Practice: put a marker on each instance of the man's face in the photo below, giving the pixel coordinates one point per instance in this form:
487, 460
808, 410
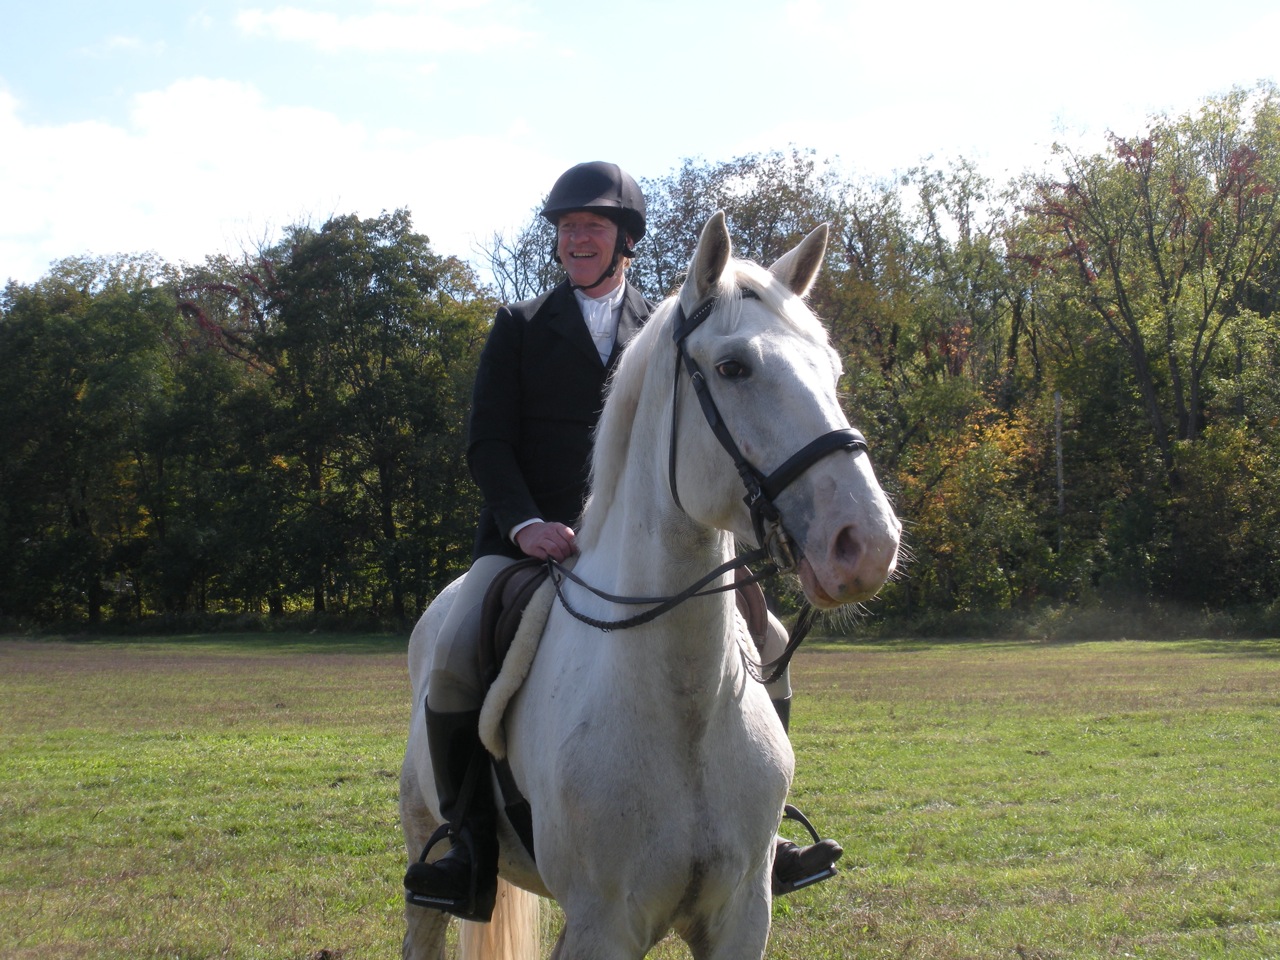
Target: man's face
585, 242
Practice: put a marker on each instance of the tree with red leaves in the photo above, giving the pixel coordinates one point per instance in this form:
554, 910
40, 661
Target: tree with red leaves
1164, 238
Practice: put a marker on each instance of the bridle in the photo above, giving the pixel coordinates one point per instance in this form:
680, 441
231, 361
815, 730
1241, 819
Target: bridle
776, 548
766, 519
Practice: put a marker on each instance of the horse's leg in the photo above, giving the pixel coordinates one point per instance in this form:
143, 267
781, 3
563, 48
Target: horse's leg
602, 932
593, 945
740, 931
424, 935
425, 930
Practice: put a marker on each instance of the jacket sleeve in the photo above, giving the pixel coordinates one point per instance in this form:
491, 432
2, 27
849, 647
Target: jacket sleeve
494, 430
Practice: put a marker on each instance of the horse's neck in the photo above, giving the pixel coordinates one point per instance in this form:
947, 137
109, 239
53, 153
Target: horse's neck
638, 543
649, 550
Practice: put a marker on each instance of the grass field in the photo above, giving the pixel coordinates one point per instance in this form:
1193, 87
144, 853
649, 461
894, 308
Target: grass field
235, 797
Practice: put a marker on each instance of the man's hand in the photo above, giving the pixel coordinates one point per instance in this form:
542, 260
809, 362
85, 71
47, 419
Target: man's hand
543, 540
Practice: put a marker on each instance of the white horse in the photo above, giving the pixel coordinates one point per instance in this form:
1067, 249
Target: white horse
656, 768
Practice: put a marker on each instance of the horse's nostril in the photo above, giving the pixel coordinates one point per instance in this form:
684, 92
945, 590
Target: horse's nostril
848, 548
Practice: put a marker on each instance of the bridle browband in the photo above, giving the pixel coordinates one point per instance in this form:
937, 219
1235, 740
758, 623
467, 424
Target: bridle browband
762, 490
776, 546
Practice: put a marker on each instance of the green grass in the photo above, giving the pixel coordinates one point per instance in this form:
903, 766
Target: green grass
235, 796
1086, 800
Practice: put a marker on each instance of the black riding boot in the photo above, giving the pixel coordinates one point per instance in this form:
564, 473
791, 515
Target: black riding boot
464, 881
794, 866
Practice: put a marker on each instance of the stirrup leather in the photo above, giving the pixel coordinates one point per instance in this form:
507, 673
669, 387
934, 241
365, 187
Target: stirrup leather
826, 872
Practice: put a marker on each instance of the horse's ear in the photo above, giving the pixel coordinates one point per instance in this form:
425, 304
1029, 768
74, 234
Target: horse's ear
798, 268
711, 257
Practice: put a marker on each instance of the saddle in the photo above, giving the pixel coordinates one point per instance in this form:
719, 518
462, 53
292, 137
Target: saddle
501, 613
501, 610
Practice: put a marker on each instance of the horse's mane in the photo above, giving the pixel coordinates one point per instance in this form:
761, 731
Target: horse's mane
622, 402
615, 430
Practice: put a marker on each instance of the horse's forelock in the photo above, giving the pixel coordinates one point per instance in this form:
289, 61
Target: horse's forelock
776, 296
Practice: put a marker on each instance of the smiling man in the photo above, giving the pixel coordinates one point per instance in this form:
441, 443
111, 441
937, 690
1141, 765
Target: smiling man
540, 385
585, 241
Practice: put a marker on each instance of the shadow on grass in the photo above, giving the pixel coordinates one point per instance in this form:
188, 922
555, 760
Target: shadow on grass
316, 642
1268, 648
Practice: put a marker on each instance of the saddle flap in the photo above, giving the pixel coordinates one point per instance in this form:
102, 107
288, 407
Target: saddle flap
500, 613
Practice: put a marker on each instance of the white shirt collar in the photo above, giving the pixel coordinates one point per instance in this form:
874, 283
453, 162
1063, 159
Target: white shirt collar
601, 315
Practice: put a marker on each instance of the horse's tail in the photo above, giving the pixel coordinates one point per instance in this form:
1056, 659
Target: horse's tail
512, 933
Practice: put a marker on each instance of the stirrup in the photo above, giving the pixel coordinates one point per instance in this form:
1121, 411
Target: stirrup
782, 887
477, 905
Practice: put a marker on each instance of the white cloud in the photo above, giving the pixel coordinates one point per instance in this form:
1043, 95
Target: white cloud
419, 31
200, 166
126, 45
119, 42
997, 81
209, 166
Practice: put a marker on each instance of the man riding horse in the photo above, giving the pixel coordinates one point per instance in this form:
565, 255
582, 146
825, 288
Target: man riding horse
538, 394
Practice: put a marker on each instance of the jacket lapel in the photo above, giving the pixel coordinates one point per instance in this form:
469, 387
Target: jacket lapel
567, 320
635, 311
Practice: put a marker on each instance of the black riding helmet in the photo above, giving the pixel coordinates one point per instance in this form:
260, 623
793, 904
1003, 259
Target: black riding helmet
605, 189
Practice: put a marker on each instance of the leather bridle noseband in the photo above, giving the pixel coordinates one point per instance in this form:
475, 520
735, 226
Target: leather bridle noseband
762, 490
776, 546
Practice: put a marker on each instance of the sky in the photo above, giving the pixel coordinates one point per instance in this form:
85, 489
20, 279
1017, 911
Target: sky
201, 128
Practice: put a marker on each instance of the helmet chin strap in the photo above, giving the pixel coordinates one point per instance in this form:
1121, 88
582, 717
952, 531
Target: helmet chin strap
612, 269
619, 249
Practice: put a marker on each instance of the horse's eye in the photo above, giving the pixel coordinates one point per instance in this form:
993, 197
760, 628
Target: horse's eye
732, 369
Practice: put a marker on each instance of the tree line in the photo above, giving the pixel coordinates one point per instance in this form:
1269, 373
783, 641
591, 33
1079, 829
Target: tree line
1070, 382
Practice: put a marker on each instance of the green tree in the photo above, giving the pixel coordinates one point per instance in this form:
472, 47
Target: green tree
771, 200
1162, 248
82, 367
368, 341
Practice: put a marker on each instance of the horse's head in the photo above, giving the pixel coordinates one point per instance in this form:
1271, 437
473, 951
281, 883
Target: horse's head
767, 417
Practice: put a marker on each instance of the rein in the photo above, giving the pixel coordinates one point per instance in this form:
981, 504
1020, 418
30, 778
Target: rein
763, 673
560, 573
776, 546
